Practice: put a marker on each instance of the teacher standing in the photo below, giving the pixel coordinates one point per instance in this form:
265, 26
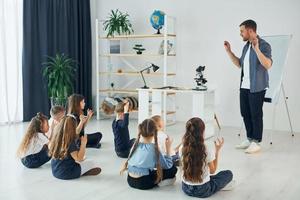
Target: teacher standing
254, 62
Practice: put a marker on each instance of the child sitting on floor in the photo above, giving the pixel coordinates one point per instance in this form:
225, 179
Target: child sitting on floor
67, 158
200, 162
122, 140
33, 149
76, 105
161, 139
146, 166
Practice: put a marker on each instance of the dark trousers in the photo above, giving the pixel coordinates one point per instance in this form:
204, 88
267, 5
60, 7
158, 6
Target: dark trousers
125, 153
216, 183
93, 139
148, 181
36, 160
251, 105
65, 171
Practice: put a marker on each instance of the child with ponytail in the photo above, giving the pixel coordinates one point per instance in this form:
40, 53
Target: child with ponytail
199, 162
146, 166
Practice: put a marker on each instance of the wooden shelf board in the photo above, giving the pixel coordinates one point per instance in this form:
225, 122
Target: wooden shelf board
135, 36
135, 74
171, 112
168, 112
171, 93
123, 91
127, 91
133, 55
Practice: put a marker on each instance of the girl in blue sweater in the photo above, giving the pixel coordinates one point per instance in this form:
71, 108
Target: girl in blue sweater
146, 166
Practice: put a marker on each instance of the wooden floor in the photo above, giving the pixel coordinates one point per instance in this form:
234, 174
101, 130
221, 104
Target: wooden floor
272, 174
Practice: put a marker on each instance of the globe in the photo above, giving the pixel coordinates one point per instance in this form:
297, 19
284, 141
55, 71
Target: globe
157, 20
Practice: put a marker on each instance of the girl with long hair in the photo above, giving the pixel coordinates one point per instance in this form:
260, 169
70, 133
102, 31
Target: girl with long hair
146, 166
76, 105
33, 149
67, 158
199, 162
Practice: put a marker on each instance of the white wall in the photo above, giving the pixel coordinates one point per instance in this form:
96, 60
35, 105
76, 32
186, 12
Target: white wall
202, 26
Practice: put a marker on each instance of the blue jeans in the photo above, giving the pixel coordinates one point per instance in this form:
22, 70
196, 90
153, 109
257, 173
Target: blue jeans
216, 183
36, 160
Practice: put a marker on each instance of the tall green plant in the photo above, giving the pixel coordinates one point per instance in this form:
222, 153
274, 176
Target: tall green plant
119, 23
59, 72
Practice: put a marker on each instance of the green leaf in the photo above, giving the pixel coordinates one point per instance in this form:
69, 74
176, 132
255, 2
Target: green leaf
117, 23
58, 72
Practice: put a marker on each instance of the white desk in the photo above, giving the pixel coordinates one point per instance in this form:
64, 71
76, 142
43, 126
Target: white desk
203, 105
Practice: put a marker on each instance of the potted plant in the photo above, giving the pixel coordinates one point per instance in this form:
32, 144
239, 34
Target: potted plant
139, 48
117, 23
59, 73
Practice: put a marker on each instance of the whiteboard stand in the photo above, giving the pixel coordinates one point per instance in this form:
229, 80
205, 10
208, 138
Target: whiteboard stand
287, 111
273, 123
242, 125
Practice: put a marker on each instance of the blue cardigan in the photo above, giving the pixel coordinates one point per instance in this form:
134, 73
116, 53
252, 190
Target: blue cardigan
143, 160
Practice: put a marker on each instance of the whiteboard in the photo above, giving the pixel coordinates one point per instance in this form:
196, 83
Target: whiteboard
280, 46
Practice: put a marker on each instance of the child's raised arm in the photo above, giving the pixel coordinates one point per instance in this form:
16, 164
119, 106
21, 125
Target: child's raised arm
168, 144
214, 164
125, 121
126, 107
90, 113
177, 147
81, 124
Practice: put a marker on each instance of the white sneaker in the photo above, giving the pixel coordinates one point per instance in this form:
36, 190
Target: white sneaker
229, 186
244, 145
253, 148
167, 182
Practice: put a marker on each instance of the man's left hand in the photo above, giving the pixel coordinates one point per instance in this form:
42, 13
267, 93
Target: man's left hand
255, 44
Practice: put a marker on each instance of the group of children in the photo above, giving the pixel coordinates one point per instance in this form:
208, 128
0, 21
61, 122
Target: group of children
151, 161
63, 142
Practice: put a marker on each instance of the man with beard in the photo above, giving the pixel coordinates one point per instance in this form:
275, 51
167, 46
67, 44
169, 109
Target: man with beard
255, 61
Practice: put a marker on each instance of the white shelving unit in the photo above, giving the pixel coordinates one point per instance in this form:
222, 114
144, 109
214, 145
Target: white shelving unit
105, 62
